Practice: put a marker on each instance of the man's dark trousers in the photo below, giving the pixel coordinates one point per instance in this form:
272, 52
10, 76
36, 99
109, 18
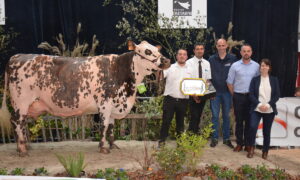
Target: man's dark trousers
170, 106
196, 110
241, 104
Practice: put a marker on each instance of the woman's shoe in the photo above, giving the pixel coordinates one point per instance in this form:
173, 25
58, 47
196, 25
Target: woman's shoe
250, 152
264, 155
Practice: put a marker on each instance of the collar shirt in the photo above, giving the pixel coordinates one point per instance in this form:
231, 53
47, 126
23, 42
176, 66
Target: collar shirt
174, 75
219, 71
193, 63
241, 74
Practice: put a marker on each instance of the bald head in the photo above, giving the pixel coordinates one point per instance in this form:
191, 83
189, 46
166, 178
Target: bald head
221, 46
221, 40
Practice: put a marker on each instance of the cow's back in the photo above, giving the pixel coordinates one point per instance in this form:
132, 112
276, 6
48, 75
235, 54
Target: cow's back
59, 84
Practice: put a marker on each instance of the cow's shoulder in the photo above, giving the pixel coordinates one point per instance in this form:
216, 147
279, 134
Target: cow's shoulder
124, 61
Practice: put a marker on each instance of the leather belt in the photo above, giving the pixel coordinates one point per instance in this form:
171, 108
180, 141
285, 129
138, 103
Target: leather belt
177, 99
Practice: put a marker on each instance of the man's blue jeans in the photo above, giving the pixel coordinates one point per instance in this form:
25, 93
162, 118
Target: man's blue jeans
223, 100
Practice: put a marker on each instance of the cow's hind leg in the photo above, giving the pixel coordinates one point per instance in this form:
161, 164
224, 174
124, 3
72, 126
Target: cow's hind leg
111, 138
18, 120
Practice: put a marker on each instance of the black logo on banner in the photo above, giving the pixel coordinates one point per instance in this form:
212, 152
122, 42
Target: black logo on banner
182, 7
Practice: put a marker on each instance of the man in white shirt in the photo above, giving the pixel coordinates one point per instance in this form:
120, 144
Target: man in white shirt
200, 68
174, 100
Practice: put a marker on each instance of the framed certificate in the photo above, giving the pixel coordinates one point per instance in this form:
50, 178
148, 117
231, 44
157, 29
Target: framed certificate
198, 87
193, 86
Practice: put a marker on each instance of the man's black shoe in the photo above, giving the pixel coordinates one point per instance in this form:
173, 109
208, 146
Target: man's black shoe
213, 143
228, 143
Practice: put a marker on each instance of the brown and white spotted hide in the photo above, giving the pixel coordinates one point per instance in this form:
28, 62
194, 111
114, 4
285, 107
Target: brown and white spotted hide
65, 86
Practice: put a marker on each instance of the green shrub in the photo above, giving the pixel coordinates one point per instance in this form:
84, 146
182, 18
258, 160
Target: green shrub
112, 174
226, 174
279, 174
192, 145
262, 172
170, 160
74, 165
40, 172
3, 171
18, 171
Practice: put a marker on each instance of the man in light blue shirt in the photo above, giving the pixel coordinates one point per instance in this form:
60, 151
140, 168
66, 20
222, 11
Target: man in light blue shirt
238, 82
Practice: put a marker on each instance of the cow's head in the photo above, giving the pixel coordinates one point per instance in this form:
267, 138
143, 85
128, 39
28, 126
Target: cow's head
152, 54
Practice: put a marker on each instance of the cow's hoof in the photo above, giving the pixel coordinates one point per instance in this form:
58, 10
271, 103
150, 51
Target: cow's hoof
114, 146
104, 150
23, 154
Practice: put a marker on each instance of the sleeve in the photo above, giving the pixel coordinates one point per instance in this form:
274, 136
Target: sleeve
276, 95
210, 59
234, 58
209, 70
253, 98
231, 75
257, 71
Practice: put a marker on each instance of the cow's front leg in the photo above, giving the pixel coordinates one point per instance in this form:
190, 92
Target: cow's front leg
20, 129
110, 134
105, 118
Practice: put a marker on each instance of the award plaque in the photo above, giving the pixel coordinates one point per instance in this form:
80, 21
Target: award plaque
197, 87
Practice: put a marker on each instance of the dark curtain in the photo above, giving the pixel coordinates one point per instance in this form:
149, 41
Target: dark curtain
37, 21
219, 14
271, 27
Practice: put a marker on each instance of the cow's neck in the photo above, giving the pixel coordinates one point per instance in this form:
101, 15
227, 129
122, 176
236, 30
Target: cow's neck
141, 68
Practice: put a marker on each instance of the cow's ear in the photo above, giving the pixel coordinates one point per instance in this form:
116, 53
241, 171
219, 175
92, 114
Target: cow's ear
131, 45
158, 47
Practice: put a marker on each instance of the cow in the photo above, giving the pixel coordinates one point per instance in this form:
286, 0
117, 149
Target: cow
68, 86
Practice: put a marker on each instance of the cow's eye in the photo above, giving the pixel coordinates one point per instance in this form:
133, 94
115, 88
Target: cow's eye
148, 52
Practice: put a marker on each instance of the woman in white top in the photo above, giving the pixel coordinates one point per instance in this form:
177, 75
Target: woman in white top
263, 93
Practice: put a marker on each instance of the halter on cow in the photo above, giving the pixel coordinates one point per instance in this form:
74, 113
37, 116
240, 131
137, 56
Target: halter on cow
64, 86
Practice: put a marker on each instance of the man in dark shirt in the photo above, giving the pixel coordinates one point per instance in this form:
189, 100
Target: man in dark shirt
220, 64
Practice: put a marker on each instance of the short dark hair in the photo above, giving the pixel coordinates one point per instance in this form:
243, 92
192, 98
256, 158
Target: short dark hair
267, 62
297, 89
181, 49
246, 44
199, 44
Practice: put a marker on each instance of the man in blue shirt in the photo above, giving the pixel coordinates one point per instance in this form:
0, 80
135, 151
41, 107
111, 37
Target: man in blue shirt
238, 82
220, 64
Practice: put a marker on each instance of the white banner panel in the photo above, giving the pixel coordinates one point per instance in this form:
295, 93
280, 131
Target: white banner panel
286, 126
184, 13
2, 12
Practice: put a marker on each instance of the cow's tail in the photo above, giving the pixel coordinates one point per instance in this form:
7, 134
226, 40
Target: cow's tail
5, 115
